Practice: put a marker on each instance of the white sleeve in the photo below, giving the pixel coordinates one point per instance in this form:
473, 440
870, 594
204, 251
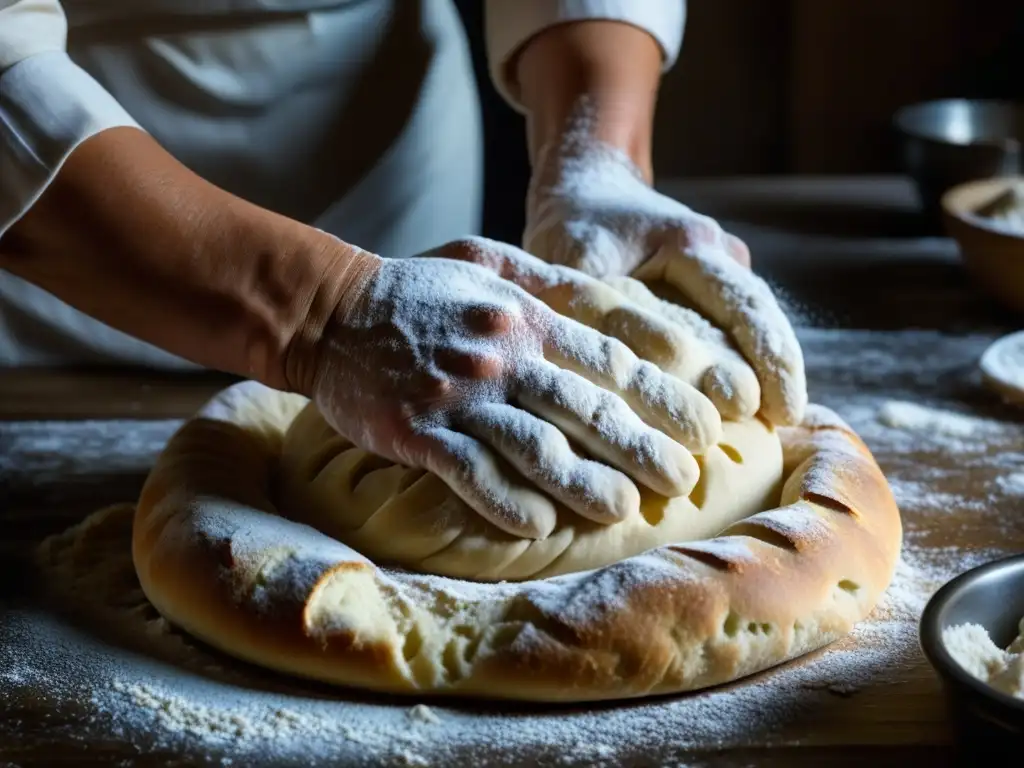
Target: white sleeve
511, 23
48, 104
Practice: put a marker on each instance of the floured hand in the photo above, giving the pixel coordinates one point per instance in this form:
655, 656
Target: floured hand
444, 365
677, 340
590, 209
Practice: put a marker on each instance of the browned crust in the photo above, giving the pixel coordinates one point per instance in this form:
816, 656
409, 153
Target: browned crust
213, 556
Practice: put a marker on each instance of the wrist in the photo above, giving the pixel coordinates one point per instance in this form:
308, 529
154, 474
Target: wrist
128, 235
607, 121
337, 276
592, 80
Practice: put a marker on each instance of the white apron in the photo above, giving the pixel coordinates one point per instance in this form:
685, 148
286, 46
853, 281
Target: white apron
358, 117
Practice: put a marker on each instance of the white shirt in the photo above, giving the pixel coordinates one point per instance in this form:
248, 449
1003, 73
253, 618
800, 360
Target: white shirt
49, 105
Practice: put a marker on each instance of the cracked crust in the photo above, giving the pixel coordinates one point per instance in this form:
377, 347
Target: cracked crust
215, 557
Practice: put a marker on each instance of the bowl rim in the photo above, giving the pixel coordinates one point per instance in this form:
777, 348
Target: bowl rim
970, 218
1007, 143
930, 633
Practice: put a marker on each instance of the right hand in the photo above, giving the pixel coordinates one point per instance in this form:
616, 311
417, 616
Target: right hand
442, 364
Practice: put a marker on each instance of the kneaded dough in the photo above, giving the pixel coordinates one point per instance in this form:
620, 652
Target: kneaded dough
214, 555
972, 648
409, 517
1002, 367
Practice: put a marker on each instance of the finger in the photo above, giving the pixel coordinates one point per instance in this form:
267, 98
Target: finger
742, 305
477, 476
664, 401
732, 386
489, 320
705, 356
507, 261
605, 427
738, 250
541, 453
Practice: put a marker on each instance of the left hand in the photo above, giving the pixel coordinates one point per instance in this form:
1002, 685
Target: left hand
590, 208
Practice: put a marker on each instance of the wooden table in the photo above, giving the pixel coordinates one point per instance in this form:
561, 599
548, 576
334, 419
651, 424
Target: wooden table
849, 253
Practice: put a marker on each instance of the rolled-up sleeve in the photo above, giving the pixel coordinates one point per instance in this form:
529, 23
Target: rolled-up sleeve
511, 23
48, 104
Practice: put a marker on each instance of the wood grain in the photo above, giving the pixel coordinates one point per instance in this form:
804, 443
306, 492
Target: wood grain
104, 393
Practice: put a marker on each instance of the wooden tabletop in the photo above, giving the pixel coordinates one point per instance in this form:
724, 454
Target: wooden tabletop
867, 283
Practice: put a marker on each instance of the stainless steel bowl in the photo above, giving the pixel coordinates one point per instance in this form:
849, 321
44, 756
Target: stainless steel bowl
945, 143
991, 595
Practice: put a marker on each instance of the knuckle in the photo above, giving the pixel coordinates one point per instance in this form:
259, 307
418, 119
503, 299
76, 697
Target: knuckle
490, 319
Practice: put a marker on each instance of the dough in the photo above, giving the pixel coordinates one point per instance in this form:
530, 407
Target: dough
407, 517
1002, 367
217, 558
972, 647
394, 514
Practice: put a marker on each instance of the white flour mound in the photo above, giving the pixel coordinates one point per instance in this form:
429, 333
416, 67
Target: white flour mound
973, 649
1007, 211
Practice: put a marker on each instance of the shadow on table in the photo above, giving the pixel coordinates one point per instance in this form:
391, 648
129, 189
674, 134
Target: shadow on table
832, 218
895, 294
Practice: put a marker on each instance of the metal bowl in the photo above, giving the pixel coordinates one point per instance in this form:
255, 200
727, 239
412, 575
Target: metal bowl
945, 143
991, 595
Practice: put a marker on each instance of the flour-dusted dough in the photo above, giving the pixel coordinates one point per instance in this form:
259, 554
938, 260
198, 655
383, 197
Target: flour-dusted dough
1002, 367
408, 517
972, 648
216, 558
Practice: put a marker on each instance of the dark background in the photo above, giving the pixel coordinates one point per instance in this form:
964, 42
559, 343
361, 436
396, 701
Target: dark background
786, 87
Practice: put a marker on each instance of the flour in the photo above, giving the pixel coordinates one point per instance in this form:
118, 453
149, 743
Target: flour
36, 455
943, 423
421, 713
90, 683
1007, 211
955, 463
160, 700
972, 647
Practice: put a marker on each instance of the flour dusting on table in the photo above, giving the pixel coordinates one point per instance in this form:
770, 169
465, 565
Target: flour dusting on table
174, 695
170, 692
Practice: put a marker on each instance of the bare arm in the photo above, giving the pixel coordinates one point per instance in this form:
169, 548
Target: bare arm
128, 235
609, 69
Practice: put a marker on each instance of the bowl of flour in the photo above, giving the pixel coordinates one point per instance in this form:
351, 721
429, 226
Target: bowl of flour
972, 633
986, 218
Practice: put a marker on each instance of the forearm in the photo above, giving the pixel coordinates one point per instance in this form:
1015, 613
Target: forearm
598, 76
128, 235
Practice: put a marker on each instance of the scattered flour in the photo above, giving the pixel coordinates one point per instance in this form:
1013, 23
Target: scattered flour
1011, 484
173, 697
920, 418
169, 692
421, 713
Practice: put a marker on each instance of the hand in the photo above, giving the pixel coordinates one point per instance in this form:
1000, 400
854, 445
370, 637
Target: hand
589, 208
677, 340
442, 364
